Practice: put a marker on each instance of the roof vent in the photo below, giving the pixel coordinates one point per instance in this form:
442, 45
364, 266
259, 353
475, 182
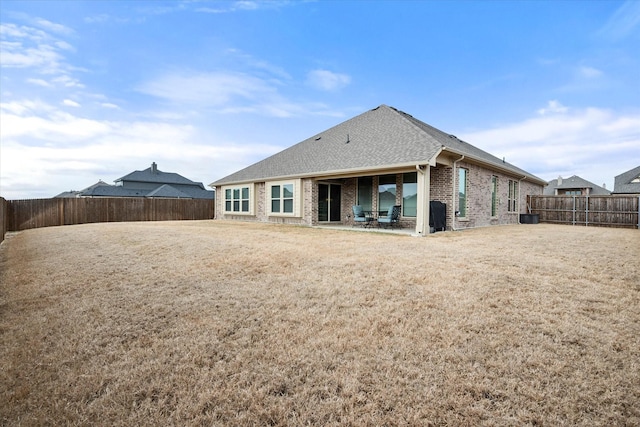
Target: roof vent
348, 140
318, 138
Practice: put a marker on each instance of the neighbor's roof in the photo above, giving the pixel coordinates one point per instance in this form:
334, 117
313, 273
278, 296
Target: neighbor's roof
158, 177
162, 191
623, 182
380, 138
574, 182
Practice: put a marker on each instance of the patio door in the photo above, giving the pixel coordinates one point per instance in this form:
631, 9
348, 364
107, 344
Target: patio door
329, 196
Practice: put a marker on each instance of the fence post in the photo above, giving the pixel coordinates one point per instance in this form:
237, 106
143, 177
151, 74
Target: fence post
574, 211
638, 212
586, 210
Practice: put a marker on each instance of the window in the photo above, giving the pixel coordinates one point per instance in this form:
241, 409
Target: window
513, 196
410, 194
365, 191
236, 199
462, 192
282, 198
494, 195
386, 192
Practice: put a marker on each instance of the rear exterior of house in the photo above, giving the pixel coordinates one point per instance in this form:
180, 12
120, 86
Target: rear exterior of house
381, 158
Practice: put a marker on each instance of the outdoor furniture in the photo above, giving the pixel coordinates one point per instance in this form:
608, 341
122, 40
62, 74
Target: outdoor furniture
360, 217
391, 219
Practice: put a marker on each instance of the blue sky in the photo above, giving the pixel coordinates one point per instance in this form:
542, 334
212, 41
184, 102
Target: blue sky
97, 89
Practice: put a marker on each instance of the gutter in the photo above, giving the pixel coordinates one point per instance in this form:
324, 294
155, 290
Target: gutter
497, 166
453, 194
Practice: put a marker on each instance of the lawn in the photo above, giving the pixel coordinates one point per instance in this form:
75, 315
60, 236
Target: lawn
224, 323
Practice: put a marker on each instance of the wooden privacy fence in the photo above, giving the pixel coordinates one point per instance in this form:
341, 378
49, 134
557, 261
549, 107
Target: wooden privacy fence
606, 211
3, 218
25, 214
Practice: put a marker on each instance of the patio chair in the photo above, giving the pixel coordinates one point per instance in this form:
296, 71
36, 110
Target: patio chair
391, 219
359, 217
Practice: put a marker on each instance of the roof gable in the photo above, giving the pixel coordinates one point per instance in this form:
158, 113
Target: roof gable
380, 138
166, 190
628, 182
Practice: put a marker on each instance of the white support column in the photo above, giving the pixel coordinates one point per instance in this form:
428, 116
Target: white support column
424, 186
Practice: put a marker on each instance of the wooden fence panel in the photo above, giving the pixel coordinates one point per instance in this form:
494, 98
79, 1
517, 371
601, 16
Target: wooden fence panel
4, 218
25, 214
604, 211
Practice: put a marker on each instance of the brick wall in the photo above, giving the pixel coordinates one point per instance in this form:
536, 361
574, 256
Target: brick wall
479, 198
442, 179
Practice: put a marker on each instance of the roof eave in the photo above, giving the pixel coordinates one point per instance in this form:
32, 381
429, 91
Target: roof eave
491, 165
338, 173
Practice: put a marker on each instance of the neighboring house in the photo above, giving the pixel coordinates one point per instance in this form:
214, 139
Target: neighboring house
628, 182
150, 182
574, 186
379, 158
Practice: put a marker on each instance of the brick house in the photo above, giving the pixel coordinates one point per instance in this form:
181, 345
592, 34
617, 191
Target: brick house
149, 183
377, 159
574, 186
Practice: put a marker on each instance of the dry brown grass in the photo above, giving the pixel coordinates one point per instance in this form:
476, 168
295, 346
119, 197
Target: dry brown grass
220, 323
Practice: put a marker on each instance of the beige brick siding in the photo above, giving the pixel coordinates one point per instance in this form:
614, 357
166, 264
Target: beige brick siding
442, 186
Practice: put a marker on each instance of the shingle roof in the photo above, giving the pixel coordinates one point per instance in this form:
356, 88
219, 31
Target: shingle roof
114, 191
574, 182
153, 174
380, 138
623, 182
168, 191
74, 193
164, 190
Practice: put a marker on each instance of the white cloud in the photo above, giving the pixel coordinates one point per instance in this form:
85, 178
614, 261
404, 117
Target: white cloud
52, 26
553, 107
46, 151
39, 82
589, 72
37, 121
245, 5
327, 80
24, 47
70, 103
67, 81
228, 92
207, 89
596, 144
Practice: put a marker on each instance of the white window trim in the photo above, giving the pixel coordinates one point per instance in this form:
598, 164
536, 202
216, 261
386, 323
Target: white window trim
297, 198
239, 187
513, 207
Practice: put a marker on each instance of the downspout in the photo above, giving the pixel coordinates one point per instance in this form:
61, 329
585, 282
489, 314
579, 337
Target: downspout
453, 194
519, 192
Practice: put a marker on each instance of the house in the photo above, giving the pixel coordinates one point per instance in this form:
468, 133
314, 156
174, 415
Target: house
574, 186
150, 182
628, 182
377, 159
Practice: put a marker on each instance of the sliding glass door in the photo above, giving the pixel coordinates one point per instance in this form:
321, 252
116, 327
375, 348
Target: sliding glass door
329, 208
